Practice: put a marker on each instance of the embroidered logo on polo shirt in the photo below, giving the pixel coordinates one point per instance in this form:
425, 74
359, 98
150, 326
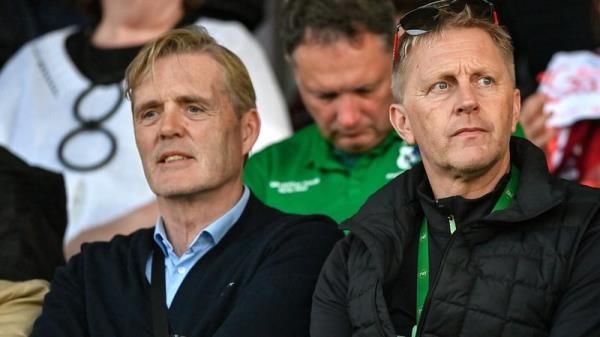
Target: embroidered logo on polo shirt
285, 187
408, 156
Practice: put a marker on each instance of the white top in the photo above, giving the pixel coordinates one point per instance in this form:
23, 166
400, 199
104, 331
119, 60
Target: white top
572, 84
38, 88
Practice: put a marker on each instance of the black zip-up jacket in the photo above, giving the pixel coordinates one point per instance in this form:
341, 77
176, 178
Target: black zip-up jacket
532, 269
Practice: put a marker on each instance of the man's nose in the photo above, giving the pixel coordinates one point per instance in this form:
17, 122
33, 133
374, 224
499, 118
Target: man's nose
467, 99
171, 123
347, 111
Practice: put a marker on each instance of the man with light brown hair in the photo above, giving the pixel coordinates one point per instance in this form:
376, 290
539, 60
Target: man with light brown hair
479, 239
79, 122
218, 262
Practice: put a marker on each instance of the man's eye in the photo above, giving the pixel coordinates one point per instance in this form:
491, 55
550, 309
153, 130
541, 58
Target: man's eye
194, 109
328, 96
363, 91
485, 81
148, 114
441, 86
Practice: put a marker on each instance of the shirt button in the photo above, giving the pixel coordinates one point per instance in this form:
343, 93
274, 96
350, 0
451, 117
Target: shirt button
181, 270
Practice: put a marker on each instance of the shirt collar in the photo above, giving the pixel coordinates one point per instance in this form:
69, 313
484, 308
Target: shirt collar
213, 232
325, 157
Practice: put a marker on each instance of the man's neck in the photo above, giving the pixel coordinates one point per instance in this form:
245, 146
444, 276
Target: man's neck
135, 22
185, 217
471, 185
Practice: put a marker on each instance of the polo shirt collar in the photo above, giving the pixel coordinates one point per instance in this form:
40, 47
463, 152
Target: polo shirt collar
325, 158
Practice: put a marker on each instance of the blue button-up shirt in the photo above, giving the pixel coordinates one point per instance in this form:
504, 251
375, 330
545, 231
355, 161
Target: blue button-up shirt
177, 267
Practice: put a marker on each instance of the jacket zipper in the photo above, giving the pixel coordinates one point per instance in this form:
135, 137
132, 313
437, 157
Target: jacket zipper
451, 224
435, 282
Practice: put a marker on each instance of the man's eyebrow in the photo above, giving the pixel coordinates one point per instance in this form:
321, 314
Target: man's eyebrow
191, 99
370, 84
145, 106
180, 99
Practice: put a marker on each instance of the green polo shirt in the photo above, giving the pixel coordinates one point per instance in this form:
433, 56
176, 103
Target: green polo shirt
302, 174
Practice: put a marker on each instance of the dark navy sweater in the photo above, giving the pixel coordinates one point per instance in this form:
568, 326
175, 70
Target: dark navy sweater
257, 281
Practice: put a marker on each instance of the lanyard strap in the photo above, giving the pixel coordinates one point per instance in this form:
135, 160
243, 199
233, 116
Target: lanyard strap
423, 253
160, 320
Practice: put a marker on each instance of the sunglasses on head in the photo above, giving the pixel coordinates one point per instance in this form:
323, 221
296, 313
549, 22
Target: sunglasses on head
423, 19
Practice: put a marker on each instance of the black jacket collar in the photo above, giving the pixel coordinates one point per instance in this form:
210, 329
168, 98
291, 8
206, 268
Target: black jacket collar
390, 216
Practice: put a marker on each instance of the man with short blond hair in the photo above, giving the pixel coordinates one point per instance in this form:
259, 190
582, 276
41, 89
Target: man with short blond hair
218, 262
478, 240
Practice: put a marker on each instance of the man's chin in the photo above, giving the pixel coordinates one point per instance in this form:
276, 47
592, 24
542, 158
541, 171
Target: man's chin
173, 192
475, 167
353, 148
355, 145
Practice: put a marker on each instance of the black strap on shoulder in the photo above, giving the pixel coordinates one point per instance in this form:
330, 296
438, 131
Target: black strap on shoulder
160, 320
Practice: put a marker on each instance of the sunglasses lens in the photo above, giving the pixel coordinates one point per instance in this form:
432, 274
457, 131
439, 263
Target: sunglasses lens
419, 21
481, 9
423, 19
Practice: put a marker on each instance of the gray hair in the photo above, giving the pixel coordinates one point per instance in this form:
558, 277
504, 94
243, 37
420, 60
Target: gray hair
444, 22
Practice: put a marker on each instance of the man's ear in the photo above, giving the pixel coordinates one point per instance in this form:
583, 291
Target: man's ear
401, 122
250, 127
516, 112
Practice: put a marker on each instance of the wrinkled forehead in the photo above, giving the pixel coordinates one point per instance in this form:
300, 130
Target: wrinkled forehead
189, 67
440, 42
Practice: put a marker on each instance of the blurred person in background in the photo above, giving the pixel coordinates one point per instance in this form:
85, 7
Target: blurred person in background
563, 116
340, 53
24, 20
